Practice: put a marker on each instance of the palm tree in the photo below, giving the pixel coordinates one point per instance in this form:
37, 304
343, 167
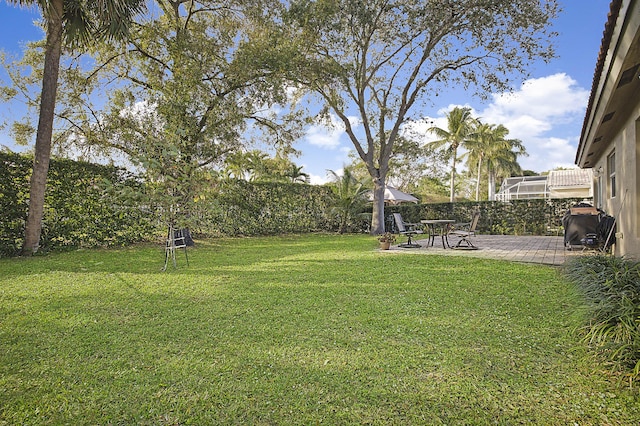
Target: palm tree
257, 167
236, 166
504, 163
479, 143
295, 174
459, 126
69, 23
488, 148
349, 197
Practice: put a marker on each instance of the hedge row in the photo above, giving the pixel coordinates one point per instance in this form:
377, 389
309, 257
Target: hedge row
241, 208
89, 205
86, 205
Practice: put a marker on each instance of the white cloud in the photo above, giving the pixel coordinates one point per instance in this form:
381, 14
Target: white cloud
328, 135
323, 137
317, 180
546, 115
549, 153
554, 98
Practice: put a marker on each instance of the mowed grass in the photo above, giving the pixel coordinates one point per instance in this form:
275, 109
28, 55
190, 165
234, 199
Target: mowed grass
295, 330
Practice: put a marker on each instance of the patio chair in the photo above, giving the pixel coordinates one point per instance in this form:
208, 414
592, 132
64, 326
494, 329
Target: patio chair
464, 231
408, 229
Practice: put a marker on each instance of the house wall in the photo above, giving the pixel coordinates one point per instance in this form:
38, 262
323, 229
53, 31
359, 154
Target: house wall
625, 205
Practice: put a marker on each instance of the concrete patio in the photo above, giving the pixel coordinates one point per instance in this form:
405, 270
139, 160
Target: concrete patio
549, 250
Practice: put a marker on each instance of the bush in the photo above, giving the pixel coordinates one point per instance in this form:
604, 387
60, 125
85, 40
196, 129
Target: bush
611, 287
90, 205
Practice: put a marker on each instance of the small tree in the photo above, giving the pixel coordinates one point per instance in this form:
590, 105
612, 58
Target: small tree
349, 197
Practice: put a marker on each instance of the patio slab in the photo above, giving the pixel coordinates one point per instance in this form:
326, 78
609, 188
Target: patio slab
548, 250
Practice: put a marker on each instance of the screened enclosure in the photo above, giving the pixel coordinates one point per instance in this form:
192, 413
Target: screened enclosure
575, 183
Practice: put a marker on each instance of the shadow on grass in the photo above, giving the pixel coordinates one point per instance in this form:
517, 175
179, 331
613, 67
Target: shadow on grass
149, 258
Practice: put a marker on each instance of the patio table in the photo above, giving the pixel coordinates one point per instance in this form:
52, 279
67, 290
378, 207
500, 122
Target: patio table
438, 227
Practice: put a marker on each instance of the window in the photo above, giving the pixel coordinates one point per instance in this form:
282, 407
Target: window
611, 170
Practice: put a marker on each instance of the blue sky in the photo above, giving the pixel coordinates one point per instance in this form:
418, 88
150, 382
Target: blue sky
545, 112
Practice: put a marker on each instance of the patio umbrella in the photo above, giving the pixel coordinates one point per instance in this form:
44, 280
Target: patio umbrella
394, 196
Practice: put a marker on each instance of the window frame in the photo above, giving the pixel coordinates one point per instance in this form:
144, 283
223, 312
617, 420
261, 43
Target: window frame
611, 174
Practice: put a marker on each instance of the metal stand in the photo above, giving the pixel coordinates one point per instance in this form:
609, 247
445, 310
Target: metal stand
175, 240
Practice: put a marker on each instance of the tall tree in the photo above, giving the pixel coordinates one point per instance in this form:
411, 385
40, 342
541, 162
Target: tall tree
477, 147
459, 127
380, 59
74, 24
190, 88
488, 149
201, 64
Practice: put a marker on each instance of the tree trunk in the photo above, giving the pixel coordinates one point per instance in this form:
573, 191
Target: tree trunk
42, 155
492, 186
478, 179
452, 196
377, 218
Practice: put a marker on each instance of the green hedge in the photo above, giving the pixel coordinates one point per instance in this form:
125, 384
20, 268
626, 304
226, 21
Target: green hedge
86, 205
89, 205
237, 207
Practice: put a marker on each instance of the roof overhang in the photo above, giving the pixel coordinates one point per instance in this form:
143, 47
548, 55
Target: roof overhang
616, 82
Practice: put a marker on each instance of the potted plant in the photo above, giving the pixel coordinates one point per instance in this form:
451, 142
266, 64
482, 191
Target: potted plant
386, 240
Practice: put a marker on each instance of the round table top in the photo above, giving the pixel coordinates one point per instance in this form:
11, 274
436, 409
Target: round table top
436, 221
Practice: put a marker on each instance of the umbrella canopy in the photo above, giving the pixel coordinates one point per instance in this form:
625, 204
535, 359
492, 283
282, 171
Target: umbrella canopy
395, 196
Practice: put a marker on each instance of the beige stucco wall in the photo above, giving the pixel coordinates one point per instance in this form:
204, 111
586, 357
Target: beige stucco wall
625, 205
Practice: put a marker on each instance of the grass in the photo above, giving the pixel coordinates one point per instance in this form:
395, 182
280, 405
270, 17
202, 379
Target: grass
295, 330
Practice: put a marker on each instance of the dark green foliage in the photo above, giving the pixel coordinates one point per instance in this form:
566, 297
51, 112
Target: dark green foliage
237, 207
611, 287
86, 205
14, 193
90, 205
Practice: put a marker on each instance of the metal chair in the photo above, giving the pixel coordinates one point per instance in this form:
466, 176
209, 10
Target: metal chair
464, 231
408, 229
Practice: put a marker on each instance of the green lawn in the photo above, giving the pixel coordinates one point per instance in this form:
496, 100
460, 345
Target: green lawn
295, 330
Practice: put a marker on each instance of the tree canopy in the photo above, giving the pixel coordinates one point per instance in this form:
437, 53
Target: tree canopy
379, 60
195, 77
190, 87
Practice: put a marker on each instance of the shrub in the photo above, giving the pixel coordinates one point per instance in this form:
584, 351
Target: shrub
611, 287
